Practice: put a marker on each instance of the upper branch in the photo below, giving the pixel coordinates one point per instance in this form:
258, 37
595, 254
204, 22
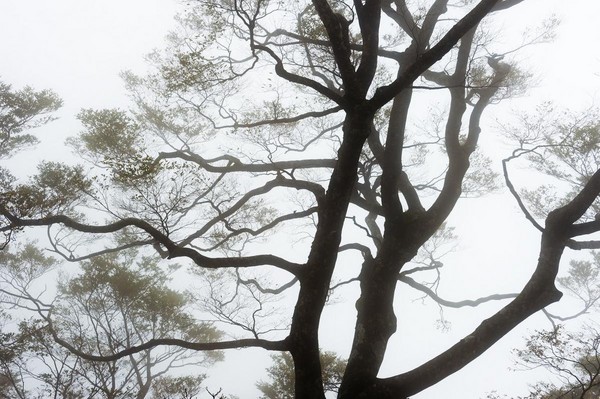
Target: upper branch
574, 210
402, 16
386, 93
301, 80
337, 28
435, 11
369, 17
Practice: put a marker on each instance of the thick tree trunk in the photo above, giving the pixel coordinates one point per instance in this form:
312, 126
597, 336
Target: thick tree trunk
376, 320
316, 278
375, 324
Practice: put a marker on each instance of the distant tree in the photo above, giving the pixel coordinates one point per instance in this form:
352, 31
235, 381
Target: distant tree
574, 358
118, 302
21, 110
303, 119
281, 373
32, 365
168, 387
105, 308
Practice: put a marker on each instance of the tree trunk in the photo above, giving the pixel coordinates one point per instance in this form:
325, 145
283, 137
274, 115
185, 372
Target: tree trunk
315, 281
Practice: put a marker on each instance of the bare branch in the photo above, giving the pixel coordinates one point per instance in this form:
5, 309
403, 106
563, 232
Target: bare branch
453, 304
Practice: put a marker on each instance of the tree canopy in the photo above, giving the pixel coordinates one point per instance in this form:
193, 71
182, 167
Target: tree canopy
276, 144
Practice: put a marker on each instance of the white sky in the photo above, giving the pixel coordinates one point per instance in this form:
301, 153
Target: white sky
78, 48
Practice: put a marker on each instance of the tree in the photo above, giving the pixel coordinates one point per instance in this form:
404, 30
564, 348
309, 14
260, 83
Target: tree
203, 168
107, 307
572, 357
281, 373
20, 111
187, 387
118, 302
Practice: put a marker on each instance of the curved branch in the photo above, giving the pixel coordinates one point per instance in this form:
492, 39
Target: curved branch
196, 346
292, 119
386, 93
365, 251
279, 181
264, 290
235, 165
301, 80
174, 250
262, 229
453, 304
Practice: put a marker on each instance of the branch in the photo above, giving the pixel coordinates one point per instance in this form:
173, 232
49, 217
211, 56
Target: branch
453, 304
262, 229
337, 31
235, 165
579, 245
196, 346
369, 17
279, 181
291, 119
394, 55
174, 250
273, 291
538, 293
301, 80
386, 93
567, 215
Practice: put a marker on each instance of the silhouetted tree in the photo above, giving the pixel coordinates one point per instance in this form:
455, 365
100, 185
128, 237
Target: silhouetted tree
264, 117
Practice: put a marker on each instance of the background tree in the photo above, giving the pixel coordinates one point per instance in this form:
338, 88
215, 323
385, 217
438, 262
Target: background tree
203, 168
21, 110
572, 357
281, 374
105, 308
168, 387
